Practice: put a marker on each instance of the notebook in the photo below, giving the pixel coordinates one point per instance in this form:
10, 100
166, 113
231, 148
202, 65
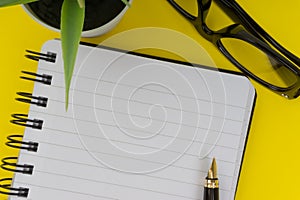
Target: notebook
137, 127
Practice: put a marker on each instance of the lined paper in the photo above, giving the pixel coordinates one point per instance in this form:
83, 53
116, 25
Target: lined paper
136, 128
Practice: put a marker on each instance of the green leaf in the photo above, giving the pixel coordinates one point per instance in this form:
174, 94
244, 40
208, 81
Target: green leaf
72, 18
81, 3
4, 3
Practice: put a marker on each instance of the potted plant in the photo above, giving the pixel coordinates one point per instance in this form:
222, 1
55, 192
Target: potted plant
72, 26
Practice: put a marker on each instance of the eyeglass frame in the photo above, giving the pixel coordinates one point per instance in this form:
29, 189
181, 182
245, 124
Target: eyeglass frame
245, 29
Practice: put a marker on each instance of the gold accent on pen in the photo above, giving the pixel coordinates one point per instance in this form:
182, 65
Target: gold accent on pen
211, 180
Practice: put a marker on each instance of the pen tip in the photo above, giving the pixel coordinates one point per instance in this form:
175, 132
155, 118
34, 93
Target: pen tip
212, 172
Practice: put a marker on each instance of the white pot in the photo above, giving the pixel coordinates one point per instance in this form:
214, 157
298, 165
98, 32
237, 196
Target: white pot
88, 33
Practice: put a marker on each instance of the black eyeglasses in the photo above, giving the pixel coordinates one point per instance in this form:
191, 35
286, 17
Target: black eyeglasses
247, 46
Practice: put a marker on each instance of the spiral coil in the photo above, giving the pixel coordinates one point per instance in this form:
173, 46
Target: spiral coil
11, 191
29, 98
23, 120
10, 164
16, 140
42, 78
36, 56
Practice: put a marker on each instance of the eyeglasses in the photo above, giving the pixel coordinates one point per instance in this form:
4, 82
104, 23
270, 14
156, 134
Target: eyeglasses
247, 46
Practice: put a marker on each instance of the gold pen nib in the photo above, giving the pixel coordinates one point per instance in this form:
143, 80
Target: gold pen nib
212, 172
211, 185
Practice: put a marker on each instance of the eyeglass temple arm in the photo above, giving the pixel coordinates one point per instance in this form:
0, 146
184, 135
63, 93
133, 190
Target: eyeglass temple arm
254, 28
182, 11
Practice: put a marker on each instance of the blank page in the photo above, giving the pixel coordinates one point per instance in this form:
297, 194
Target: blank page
136, 128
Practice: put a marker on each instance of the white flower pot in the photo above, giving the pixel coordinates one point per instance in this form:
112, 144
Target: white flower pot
104, 28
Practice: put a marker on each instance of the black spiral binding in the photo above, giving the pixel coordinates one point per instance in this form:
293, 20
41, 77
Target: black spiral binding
8, 190
10, 164
16, 141
23, 120
42, 78
29, 98
49, 56
36, 56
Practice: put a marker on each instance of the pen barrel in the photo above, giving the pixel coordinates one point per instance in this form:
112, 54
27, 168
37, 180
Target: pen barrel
211, 193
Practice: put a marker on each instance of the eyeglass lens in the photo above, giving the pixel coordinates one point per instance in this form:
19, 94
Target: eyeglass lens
256, 61
259, 63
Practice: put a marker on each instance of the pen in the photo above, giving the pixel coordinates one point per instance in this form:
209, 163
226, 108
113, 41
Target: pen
211, 186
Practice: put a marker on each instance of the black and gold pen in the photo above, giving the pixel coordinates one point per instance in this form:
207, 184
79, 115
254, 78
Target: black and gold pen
211, 186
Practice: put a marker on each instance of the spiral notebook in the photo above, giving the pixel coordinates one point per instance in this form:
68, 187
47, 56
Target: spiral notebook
137, 127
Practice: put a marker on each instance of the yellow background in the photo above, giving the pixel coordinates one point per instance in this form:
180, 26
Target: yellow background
271, 162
